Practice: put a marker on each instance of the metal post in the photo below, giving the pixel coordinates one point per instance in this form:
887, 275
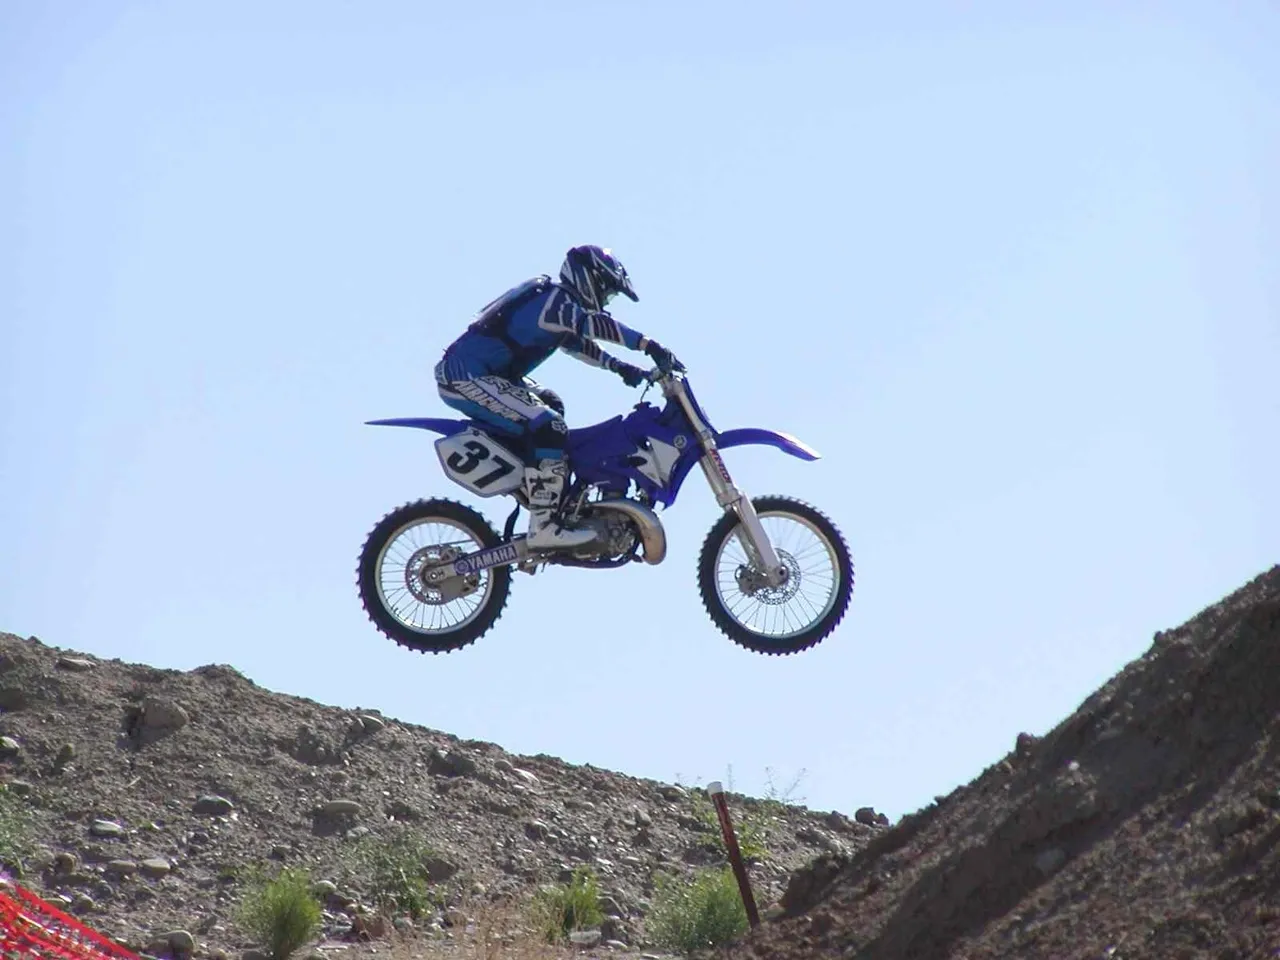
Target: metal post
716, 792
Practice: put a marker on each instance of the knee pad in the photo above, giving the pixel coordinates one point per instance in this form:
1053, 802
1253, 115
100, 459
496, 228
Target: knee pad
548, 431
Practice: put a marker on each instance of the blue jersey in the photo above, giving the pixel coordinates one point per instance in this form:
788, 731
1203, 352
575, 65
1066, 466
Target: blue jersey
522, 328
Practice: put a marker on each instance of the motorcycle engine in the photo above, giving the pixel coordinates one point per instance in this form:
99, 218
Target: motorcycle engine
615, 535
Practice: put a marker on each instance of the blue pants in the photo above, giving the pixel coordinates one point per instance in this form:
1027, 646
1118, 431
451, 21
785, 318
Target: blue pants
511, 408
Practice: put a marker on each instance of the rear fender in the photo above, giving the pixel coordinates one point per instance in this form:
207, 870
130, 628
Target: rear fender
434, 424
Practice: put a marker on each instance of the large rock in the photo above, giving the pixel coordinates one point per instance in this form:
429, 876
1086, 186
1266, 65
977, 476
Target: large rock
163, 714
213, 806
450, 763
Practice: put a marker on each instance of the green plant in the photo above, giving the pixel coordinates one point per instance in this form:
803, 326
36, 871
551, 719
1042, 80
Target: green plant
15, 831
394, 871
561, 909
753, 823
706, 911
281, 912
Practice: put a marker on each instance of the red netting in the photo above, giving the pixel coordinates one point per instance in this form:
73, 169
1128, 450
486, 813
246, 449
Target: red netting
31, 929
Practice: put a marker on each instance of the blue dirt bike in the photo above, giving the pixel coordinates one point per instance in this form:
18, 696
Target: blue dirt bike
774, 573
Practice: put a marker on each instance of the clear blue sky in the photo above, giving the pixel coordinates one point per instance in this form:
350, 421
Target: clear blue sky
1012, 270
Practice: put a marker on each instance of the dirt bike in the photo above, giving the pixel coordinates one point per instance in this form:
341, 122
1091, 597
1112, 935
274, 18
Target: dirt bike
774, 573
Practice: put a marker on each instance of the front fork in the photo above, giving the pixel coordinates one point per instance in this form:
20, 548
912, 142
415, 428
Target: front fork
756, 542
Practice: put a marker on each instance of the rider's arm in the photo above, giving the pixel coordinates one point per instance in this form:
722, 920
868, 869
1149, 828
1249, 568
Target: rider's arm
562, 315
588, 352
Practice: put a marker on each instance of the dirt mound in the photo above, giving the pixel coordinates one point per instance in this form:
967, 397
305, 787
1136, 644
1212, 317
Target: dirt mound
1146, 824
153, 790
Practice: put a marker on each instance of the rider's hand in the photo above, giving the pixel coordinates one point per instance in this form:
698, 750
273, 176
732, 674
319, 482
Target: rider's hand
631, 376
664, 358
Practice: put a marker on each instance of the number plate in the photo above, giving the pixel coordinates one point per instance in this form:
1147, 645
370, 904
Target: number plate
476, 461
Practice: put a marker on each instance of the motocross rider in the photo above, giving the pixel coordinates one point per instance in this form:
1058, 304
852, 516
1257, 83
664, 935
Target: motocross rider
484, 373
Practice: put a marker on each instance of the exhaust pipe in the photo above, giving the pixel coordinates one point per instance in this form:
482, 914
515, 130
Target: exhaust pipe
652, 535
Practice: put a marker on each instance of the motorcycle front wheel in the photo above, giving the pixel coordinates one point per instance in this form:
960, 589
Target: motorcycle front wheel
800, 612
403, 605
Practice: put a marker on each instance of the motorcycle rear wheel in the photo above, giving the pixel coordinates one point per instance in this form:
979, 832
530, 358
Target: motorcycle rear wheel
777, 620
430, 618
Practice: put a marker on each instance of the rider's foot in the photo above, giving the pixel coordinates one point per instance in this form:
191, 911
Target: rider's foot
544, 486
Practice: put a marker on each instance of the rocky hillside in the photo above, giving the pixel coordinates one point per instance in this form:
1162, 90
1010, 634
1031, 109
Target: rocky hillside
152, 791
1145, 825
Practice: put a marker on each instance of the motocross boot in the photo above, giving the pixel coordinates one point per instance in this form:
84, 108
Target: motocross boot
544, 486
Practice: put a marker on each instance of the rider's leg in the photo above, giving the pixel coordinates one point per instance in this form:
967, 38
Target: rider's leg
508, 406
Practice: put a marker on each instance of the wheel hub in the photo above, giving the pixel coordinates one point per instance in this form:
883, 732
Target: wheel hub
753, 583
433, 584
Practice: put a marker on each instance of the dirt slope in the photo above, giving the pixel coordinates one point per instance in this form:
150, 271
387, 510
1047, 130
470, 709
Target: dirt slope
1146, 824
152, 790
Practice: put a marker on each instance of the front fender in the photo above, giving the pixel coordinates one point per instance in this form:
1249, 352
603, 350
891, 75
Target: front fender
783, 441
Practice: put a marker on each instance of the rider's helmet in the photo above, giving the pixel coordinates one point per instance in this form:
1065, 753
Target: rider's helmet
595, 275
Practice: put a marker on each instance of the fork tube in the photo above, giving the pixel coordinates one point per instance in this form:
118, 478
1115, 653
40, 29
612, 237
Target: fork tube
756, 542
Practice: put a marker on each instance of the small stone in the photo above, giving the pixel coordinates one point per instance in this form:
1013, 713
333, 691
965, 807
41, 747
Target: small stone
865, 816
527, 776
399, 810
324, 888
536, 830
439, 869
121, 868
355, 833
75, 664
159, 713
503, 766
341, 808
19, 788
64, 863
9, 747
83, 903
213, 806
640, 818
585, 938
372, 724
106, 828
1050, 860
155, 867
181, 942
672, 793
374, 927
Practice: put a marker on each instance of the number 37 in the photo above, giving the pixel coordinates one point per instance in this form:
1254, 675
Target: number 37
476, 453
